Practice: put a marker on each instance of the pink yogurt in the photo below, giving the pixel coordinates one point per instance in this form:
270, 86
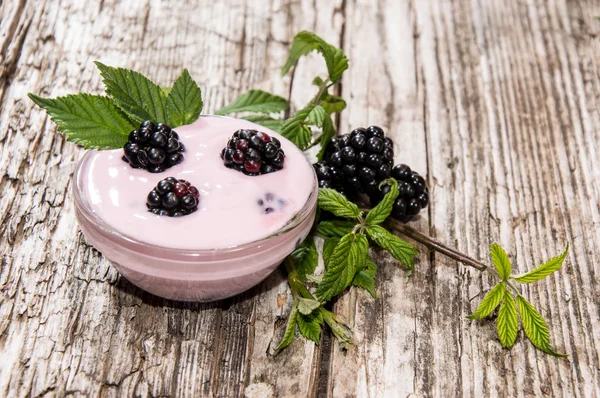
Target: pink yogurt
242, 230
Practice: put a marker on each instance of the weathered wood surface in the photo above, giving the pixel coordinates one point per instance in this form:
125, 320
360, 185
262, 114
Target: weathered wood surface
496, 101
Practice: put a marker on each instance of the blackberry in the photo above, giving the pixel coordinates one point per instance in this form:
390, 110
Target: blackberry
153, 147
253, 153
359, 160
174, 198
413, 195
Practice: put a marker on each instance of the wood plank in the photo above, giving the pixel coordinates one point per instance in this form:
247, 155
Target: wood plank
504, 105
496, 101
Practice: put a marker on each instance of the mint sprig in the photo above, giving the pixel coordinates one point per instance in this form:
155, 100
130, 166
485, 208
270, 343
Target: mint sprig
104, 122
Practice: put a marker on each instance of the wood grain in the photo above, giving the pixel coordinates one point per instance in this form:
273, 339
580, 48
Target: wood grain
496, 102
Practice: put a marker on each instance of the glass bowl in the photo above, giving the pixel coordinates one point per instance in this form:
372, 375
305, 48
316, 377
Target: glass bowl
191, 275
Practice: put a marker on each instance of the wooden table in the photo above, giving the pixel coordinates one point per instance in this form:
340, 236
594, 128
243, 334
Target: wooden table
497, 102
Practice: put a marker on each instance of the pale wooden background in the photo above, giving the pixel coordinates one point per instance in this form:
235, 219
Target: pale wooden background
496, 101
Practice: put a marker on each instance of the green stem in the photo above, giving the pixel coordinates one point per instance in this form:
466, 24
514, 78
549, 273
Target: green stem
296, 285
315, 142
315, 101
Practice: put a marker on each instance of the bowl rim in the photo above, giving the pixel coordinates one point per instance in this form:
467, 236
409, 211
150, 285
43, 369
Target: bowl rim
84, 209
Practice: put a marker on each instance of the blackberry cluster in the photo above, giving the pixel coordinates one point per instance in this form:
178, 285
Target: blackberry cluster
356, 162
413, 194
253, 153
153, 147
174, 198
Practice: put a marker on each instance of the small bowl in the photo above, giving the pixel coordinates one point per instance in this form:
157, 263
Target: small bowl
191, 275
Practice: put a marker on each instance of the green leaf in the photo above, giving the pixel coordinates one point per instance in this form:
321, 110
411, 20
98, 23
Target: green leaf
310, 325
89, 120
306, 306
366, 278
543, 270
306, 42
333, 103
328, 247
166, 90
266, 121
379, 213
184, 101
317, 81
348, 257
336, 203
290, 330
255, 101
489, 302
296, 129
501, 261
535, 327
306, 257
398, 248
322, 119
507, 323
335, 228
340, 330
134, 93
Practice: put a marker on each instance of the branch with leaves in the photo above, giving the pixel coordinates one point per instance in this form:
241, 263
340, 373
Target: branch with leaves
348, 234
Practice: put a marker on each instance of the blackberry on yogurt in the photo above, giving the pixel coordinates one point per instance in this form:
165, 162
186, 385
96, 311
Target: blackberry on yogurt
413, 194
253, 153
357, 162
153, 147
174, 198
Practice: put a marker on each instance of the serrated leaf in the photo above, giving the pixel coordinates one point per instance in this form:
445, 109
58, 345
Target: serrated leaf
332, 201
501, 261
306, 306
380, 213
333, 103
296, 129
306, 42
507, 323
255, 101
328, 247
535, 327
310, 325
184, 101
314, 278
266, 121
306, 257
398, 248
489, 302
335, 228
322, 119
134, 93
366, 278
290, 329
166, 90
348, 257
543, 270
89, 120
